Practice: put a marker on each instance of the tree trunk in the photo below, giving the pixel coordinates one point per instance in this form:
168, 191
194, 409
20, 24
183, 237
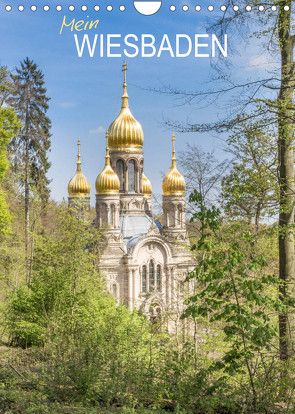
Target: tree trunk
286, 171
257, 218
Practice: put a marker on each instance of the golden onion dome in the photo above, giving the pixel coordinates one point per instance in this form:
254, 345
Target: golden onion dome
107, 181
125, 133
146, 186
79, 185
173, 183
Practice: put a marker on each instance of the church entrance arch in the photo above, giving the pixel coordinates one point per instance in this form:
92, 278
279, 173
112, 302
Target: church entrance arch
155, 313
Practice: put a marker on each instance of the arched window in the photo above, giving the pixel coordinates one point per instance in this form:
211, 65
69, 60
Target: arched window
114, 288
179, 215
104, 213
120, 173
171, 219
131, 176
158, 278
155, 313
112, 214
143, 281
151, 276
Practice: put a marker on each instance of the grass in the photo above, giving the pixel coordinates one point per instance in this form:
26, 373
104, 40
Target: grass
23, 392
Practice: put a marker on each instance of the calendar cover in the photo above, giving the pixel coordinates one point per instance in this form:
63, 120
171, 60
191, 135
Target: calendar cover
147, 206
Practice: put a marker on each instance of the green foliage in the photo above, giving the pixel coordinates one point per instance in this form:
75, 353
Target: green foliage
63, 272
250, 189
6, 86
91, 354
9, 126
235, 292
95, 348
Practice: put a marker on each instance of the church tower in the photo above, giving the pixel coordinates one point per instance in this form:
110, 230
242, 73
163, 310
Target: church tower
79, 187
173, 187
126, 142
144, 262
107, 187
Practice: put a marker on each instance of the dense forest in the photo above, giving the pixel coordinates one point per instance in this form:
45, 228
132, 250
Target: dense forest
66, 344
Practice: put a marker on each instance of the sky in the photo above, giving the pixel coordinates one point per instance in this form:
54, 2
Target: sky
86, 92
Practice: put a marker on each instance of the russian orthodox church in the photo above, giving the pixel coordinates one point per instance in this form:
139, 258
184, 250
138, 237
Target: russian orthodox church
145, 262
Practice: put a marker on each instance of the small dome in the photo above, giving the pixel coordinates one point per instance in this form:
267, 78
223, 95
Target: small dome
79, 185
125, 132
173, 183
146, 185
107, 181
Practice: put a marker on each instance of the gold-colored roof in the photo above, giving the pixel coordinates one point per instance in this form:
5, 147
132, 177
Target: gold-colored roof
79, 185
125, 133
107, 181
173, 183
146, 185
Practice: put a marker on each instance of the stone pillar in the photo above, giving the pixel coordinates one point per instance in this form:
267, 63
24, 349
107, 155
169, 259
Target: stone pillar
133, 289
108, 215
137, 179
140, 179
126, 177
130, 289
176, 224
172, 285
168, 288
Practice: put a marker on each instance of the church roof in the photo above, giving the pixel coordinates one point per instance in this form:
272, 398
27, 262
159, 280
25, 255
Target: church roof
79, 185
125, 132
173, 183
135, 226
133, 241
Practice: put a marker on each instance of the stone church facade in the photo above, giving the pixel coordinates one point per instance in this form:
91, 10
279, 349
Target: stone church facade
145, 262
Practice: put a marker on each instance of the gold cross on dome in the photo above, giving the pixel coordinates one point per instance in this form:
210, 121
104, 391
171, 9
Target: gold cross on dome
173, 148
107, 137
78, 146
124, 69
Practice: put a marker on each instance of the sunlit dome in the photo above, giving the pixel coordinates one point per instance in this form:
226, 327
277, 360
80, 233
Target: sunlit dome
107, 181
79, 185
173, 183
125, 132
146, 185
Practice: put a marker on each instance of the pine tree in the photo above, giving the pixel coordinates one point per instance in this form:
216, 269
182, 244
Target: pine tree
31, 146
8, 128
